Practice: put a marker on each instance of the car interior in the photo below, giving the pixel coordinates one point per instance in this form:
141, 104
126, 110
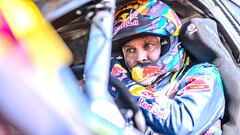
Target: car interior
216, 45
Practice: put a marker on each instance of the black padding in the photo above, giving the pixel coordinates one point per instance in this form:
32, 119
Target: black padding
126, 101
200, 37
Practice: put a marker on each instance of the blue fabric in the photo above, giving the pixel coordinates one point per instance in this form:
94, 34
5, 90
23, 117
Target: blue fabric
190, 104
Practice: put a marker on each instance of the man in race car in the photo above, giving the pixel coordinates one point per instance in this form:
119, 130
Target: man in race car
175, 95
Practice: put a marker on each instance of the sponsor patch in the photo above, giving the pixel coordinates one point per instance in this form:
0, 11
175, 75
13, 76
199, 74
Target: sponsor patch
192, 29
151, 71
117, 70
125, 25
137, 90
154, 108
199, 82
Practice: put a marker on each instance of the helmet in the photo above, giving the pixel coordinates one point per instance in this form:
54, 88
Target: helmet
150, 17
143, 17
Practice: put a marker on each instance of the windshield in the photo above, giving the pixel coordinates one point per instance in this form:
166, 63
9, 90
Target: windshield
233, 7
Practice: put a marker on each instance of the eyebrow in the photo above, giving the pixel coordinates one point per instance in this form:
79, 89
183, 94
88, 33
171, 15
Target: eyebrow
145, 41
148, 41
126, 45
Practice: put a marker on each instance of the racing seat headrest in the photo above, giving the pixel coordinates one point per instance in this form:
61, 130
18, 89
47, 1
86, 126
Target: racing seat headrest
201, 38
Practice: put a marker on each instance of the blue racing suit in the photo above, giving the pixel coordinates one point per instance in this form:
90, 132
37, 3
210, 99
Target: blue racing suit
187, 102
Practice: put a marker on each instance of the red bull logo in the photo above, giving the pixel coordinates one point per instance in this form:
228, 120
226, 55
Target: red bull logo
140, 74
125, 20
154, 108
128, 15
137, 90
117, 70
151, 71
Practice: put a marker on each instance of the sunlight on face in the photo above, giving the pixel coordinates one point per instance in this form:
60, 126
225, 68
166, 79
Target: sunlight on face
142, 50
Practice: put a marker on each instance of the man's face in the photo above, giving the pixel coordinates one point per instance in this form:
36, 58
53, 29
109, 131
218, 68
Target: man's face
142, 50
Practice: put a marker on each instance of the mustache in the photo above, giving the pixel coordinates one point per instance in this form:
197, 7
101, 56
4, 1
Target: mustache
147, 63
143, 64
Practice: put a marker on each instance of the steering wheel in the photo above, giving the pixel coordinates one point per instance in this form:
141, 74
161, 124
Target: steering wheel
125, 101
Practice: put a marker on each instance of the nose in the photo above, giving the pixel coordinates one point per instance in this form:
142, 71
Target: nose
141, 56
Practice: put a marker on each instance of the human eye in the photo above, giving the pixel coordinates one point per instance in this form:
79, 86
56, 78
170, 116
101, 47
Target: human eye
130, 50
149, 46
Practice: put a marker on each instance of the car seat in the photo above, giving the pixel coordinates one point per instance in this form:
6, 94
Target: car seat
200, 36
